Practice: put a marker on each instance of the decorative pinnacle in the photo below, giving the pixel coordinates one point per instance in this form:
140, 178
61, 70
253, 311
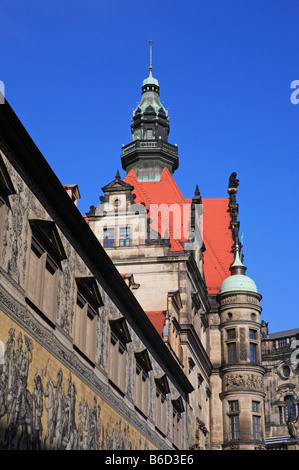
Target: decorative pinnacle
151, 54
237, 267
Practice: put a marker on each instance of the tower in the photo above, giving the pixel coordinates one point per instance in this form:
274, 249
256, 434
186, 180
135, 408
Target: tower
150, 152
241, 371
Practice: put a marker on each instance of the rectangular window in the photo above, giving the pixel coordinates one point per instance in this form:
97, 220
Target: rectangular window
84, 328
255, 406
231, 333
233, 405
108, 237
252, 334
256, 427
234, 419
160, 411
232, 352
124, 236
252, 352
42, 281
234, 426
176, 428
117, 362
149, 134
141, 389
86, 312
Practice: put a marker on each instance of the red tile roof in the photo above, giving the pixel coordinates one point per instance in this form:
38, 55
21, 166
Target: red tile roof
218, 242
158, 320
217, 234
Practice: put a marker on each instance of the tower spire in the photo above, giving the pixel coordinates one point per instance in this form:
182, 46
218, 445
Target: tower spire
237, 267
151, 56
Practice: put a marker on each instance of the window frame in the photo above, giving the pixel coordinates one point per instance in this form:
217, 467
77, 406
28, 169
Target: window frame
142, 368
124, 240
108, 242
86, 311
117, 359
233, 416
37, 284
161, 392
177, 410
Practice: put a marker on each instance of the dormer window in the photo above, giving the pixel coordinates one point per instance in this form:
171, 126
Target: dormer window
86, 311
45, 258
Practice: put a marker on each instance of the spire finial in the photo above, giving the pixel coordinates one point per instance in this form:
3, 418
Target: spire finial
151, 54
237, 267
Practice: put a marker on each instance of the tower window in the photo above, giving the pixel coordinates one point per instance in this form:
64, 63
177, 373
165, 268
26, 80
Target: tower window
149, 134
231, 333
256, 427
252, 334
233, 405
232, 352
289, 408
234, 419
252, 352
255, 406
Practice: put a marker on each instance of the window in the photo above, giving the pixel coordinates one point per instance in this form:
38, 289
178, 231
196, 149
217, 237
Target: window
256, 420
234, 405
234, 419
231, 345
289, 408
256, 427
44, 263
124, 236
177, 410
253, 347
149, 134
252, 334
255, 406
143, 366
234, 426
232, 352
119, 337
86, 311
162, 389
231, 333
108, 237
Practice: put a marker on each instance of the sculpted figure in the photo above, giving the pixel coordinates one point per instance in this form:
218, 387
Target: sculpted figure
293, 426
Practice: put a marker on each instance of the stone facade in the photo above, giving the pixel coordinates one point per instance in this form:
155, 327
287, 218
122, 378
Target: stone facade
63, 307
280, 355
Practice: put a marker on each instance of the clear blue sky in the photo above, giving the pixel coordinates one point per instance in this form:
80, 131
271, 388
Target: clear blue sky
73, 70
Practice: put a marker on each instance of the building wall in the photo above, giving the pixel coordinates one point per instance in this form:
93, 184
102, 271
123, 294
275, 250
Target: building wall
53, 394
281, 383
157, 272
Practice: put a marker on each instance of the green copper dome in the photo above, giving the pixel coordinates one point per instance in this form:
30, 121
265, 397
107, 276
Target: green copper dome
238, 282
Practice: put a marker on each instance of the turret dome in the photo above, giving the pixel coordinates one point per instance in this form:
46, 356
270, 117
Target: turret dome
238, 281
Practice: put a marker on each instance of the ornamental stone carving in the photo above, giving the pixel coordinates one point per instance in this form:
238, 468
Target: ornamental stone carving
243, 381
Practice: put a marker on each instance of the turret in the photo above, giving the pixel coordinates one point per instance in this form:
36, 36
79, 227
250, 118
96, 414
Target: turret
241, 370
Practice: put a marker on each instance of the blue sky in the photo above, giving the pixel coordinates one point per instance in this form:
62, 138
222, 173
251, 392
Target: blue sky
73, 69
